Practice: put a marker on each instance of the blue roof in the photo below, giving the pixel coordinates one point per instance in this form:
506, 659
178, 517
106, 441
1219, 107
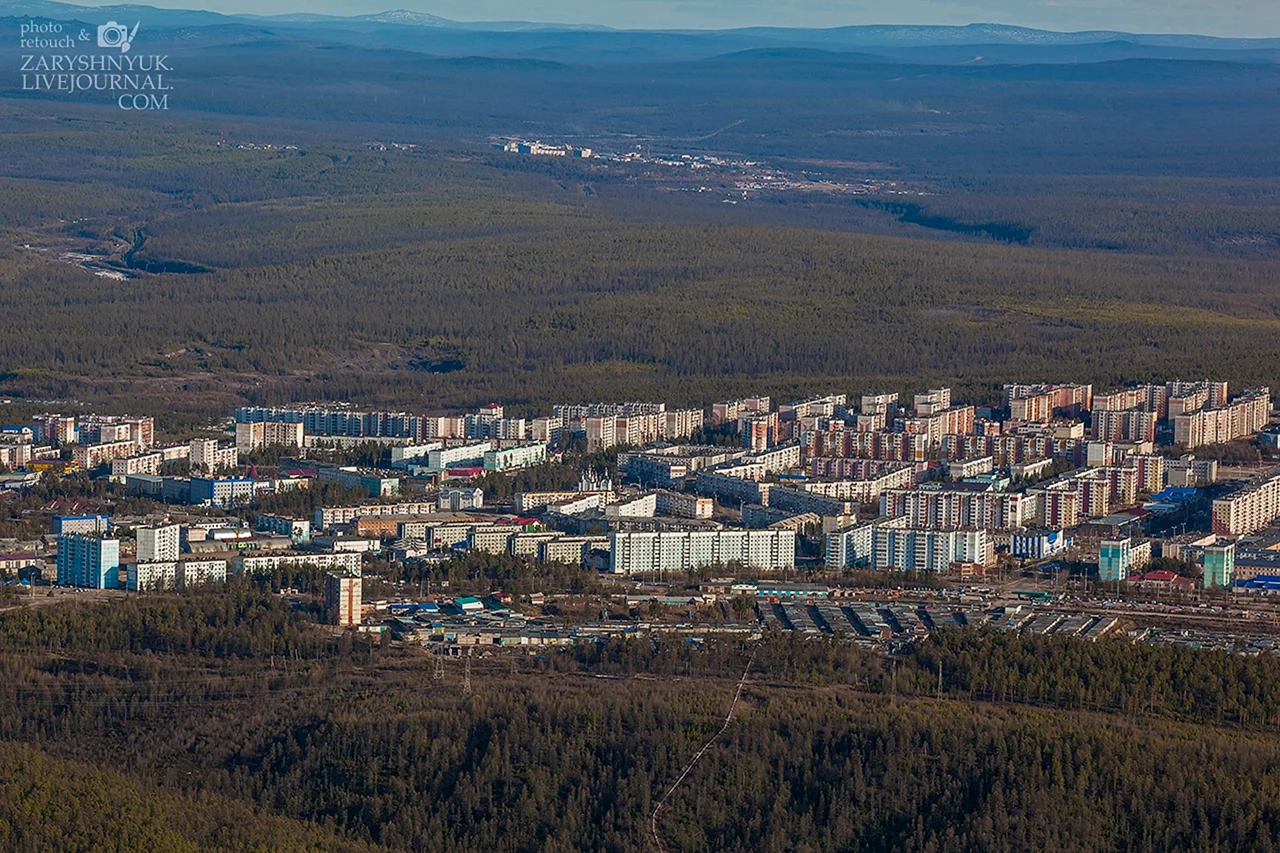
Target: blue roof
1175, 494
1267, 582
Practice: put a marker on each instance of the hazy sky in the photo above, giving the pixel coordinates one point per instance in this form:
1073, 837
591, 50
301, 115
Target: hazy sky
1260, 18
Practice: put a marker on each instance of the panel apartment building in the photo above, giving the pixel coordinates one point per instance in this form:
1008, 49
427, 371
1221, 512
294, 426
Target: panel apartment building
1240, 418
1249, 510
634, 552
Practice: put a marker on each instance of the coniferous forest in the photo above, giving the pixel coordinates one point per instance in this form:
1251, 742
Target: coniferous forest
227, 720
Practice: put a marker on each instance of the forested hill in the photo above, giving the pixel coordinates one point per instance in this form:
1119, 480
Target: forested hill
354, 274
136, 731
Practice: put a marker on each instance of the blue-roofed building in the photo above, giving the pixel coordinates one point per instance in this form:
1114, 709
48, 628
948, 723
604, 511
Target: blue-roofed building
228, 491
1261, 584
87, 524
1175, 495
88, 561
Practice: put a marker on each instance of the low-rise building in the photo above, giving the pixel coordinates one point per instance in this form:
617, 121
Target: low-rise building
223, 491
344, 561
152, 576
461, 498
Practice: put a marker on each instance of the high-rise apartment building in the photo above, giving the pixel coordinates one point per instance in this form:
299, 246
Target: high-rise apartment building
88, 561
161, 543
342, 597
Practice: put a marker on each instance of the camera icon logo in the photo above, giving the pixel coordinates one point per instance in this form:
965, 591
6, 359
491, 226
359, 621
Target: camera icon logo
112, 34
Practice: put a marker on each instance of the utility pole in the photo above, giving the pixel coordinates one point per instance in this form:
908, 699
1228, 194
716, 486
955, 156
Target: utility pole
939, 678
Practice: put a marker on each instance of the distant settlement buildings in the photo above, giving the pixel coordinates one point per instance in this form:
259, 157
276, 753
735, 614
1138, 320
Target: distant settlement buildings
920, 483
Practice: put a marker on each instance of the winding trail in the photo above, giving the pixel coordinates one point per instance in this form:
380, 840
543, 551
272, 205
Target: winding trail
728, 718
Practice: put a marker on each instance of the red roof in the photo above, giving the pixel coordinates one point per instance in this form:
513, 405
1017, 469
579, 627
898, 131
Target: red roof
1160, 575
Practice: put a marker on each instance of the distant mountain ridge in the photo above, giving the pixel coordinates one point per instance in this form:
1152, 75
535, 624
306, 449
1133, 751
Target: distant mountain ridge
866, 36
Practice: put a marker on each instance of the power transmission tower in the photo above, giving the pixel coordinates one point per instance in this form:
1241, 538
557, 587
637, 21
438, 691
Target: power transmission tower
939, 678
515, 670
438, 675
466, 675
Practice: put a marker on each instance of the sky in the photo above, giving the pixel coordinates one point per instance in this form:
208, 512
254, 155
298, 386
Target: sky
1236, 18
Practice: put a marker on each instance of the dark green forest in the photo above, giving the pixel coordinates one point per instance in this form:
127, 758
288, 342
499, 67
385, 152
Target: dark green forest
449, 276
230, 721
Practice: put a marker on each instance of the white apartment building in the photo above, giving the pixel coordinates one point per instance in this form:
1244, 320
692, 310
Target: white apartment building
207, 457
341, 561
1249, 510
251, 436
151, 576
634, 552
161, 543
199, 572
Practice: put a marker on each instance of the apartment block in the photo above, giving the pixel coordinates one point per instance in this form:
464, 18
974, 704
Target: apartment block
796, 501
200, 572
340, 561
886, 446
933, 427
1239, 419
207, 457
827, 406
1149, 472
1039, 403
151, 576
884, 405
841, 468
222, 491
732, 410
342, 598
912, 550
852, 547
571, 550
91, 456
943, 508
863, 490
959, 469
1249, 510
251, 436
932, 402
680, 423
1123, 425
1115, 559
88, 561
147, 463
161, 543
1187, 471
326, 517
513, 458
82, 524
682, 505
638, 506
636, 552
1219, 566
